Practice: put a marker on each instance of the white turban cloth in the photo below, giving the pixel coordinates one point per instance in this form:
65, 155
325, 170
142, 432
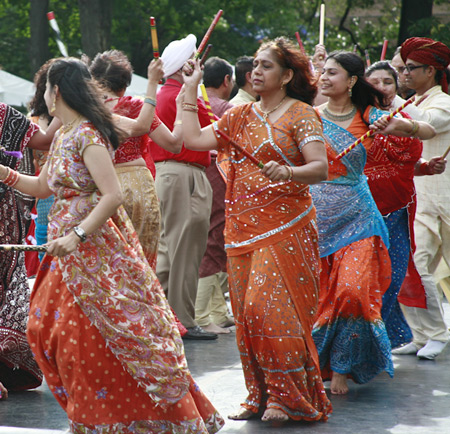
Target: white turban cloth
177, 53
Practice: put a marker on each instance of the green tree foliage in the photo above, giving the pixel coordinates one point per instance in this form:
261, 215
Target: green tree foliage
244, 24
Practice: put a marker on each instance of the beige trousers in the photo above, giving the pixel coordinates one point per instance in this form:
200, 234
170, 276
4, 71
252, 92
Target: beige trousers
432, 235
185, 197
210, 305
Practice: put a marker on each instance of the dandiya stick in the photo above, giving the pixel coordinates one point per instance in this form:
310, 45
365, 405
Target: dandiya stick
383, 51
446, 152
154, 37
241, 149
208, 34
322, 24
55, 27
366, 52
371, 133
212, 118
22, 248
224, 135
205, 54
355, 48
300, 43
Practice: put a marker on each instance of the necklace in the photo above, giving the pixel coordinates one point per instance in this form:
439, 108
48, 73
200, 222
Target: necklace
66, 128
265, 114
340, 117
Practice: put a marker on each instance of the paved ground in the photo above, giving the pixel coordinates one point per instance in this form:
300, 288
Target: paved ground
415, 401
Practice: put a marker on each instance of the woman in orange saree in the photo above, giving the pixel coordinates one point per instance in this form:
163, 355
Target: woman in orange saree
270, 231
100, 326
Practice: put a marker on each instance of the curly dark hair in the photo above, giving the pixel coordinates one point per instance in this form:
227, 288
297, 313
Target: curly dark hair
112, 69
80, 94
37, 104
303, 85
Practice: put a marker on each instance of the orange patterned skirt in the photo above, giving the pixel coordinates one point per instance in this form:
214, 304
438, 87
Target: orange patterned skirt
88, 381
274, 295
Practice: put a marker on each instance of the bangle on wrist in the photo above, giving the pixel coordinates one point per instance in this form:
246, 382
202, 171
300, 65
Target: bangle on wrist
80, 233
12, 178
424, 168
415, 127
190, 107
290, 173
150, 101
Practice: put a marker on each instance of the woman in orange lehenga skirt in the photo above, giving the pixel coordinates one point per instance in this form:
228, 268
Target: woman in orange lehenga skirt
270, 233
100, 326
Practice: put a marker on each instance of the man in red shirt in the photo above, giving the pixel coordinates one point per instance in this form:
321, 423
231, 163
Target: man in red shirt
185, 199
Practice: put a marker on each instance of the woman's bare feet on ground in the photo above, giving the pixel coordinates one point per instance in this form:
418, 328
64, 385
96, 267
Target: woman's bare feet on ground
274, 415
339, 384
213, 328
241, 414
3, 392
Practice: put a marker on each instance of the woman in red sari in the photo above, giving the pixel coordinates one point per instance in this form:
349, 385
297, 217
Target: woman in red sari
270, 230
100, 326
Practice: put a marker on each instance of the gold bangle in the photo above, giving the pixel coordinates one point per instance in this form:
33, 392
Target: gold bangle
291, 173
179, 122
415, 127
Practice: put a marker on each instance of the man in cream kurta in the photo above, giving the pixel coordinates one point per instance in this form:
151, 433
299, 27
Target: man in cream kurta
425, 62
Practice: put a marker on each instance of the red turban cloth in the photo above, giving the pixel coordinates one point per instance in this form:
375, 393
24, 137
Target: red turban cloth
428, 52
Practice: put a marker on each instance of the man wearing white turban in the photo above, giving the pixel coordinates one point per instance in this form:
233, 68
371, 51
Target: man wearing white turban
185, 196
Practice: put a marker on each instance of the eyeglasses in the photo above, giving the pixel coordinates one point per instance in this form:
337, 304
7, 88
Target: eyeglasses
410, 68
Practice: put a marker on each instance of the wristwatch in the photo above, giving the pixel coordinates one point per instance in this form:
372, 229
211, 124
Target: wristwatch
79, 232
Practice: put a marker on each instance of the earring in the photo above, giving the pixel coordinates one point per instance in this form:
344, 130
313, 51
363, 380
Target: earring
53, 106
282, 85
350, 92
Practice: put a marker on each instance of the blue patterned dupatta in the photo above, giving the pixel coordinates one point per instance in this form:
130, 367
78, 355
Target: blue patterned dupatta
349, 333
346, 211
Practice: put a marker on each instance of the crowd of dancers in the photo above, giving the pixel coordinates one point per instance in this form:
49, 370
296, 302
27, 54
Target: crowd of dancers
327, 250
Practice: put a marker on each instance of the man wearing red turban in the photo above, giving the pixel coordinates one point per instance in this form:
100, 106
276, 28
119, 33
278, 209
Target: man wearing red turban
426, 62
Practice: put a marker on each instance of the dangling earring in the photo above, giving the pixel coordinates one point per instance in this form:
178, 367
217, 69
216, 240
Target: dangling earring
282, 86
350, 92
53, 106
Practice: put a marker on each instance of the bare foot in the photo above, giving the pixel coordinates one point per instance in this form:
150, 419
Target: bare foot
241, 414
213, 328
3, 392
339, 384
274, 415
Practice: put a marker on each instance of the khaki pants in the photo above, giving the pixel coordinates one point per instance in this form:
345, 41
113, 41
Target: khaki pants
210, 305
185, 197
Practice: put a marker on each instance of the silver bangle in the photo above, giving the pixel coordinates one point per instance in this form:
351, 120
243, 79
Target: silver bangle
149, 100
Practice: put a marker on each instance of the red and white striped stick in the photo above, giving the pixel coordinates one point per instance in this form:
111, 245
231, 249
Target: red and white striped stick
205, 39
55, 27
371, 133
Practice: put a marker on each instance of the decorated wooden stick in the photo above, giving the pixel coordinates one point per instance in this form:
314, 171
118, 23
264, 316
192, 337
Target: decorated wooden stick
241, 149
224, 135
300, 43
16, 154
55, 27
154, 37
22, 248
205, 54
366, 52
212, 118
355, 48
383, 51
371, 132
208, 34
322, 24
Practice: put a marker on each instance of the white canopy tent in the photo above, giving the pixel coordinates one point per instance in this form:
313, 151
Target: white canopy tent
15, 90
